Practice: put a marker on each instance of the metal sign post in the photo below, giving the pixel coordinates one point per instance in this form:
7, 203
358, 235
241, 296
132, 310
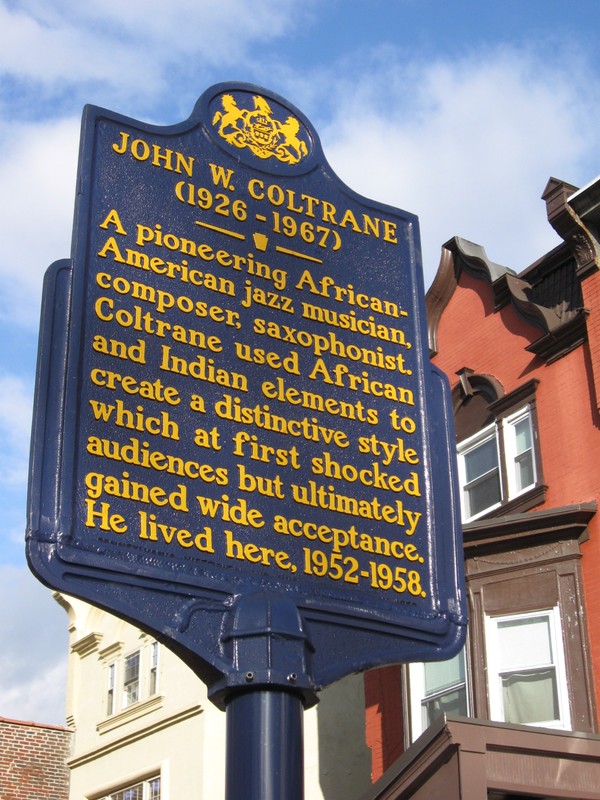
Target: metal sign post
265, 708
264, 747
239, 442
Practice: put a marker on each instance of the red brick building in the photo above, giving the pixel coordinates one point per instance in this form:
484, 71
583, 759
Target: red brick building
33, 761
522, 352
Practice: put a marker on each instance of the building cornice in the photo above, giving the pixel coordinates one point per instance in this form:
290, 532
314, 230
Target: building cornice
574, 215
563, 328
134, 736
87, 644
532, 527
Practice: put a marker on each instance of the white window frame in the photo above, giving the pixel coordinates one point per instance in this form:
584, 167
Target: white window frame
137, 681
153, 669
117, 698
464, 448
147, 793
503, 431
418, 696
111, 689
496, 667
510, 448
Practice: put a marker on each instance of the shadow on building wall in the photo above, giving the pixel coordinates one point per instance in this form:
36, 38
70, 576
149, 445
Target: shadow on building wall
344, 758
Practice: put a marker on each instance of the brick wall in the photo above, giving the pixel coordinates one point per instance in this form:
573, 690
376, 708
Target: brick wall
383, 708
591, 301
589, 460
33, 761
472, 333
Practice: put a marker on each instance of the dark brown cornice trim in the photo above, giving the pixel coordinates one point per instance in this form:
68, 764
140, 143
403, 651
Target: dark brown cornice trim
547, 319
562, 340
566, 522
438, 296
563, 329
459, 254
573, 213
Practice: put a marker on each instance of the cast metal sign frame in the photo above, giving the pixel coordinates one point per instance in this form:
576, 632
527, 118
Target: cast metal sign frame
237, 430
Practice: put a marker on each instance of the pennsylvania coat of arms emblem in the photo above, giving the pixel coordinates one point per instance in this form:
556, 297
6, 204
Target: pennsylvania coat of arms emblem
259, 131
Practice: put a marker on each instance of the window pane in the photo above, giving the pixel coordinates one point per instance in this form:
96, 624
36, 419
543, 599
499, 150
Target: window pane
524, 473
481, 459
132, 667
153, 669
481, 476
110, 697
523, 435
445, 688
132, 793
131, 694
146, 790
131, 682
524, 643
440, 675
437, 687
530, 697
454, 702
520, 454
484, 494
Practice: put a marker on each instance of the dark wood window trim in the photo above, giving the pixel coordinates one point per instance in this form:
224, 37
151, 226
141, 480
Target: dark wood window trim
527, 562
519, 397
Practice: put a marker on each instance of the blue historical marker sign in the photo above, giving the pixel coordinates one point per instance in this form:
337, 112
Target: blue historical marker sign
235, 399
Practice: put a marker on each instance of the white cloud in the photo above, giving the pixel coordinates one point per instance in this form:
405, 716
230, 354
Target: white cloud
124, 50
131, 45
14, 529
40, 699
33, 666
15, 410
15, 429
38, 182
32, 48
467, 145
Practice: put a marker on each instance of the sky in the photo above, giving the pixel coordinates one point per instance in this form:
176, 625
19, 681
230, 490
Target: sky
456, 111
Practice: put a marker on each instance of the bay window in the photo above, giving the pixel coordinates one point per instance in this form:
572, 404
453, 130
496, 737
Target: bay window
526, 669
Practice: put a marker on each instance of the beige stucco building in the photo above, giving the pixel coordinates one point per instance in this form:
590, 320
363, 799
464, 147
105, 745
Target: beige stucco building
144, 728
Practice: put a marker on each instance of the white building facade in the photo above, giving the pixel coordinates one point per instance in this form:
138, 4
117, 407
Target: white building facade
144, 728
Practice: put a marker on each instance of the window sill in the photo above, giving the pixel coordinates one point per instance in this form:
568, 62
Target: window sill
132, 712
522, 502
